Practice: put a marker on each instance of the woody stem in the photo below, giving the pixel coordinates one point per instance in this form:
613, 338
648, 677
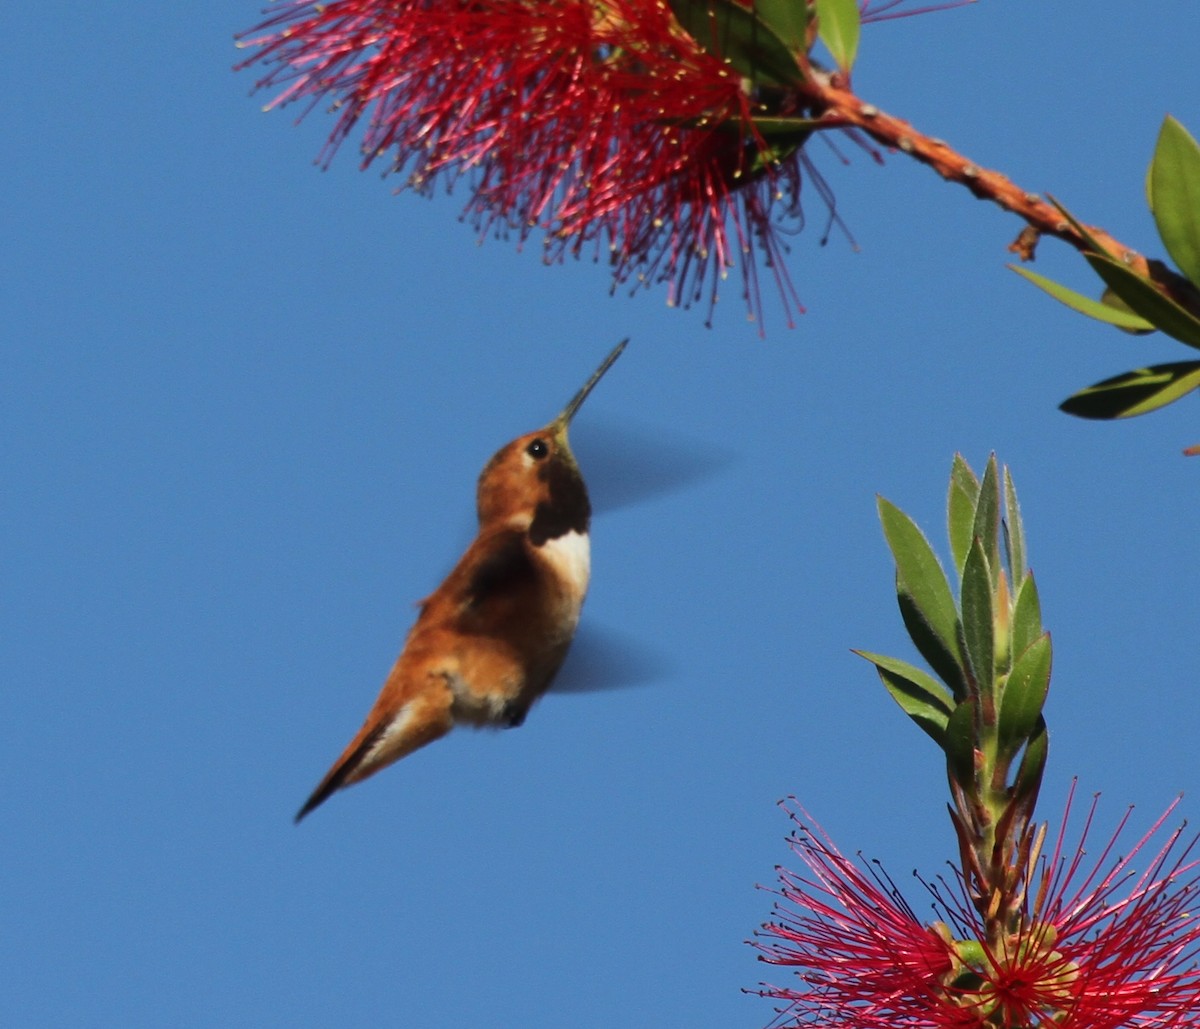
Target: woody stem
835, 105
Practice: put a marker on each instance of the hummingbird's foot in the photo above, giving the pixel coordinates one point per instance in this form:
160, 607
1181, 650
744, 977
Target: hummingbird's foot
514, 714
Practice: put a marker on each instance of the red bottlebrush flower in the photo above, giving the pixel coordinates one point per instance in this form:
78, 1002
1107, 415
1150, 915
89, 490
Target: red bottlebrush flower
860, 950
603, 124
1094, 949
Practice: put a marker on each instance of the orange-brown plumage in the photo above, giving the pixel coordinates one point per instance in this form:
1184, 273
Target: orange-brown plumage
488, 642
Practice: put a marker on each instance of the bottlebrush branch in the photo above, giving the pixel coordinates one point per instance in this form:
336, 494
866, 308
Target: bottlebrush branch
839, 106
666, 139
1030, 927
671, 139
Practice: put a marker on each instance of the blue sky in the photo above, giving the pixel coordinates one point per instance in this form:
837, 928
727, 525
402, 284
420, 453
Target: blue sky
245, 403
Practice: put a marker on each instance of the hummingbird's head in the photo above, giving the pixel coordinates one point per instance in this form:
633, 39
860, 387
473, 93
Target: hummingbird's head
534, 481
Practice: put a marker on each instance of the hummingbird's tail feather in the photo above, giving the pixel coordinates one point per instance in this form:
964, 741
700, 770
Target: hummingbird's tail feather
384, 739
339, 774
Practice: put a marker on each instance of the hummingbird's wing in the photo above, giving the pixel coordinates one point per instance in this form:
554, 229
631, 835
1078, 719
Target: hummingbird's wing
495, 566
604, 658
632, 463
497, 569
501, 612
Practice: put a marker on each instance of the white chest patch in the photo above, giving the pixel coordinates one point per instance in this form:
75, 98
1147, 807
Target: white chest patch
570, 555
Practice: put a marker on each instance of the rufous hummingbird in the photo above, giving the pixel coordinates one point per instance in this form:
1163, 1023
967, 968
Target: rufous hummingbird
488, 641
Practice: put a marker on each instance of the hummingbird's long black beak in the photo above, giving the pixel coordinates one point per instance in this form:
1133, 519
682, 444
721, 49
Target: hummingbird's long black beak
568, 412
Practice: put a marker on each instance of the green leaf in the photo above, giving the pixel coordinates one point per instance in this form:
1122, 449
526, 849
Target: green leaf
1174, 188
920, 578
1110, 299
959, 746
794, 131
1135, 392
987, 517
1085, 305
788, 19
978, 620
1027, 616
1084, 232
776, 152
838, 22
1033, 764
1024, 694
1141, 295
782, 137
1014, 531
737, 35
919, 695
932, 647
961, 501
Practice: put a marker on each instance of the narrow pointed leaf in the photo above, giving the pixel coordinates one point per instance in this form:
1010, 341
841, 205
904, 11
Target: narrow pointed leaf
1024, 695
919, 695
1145, 299
838, 22
933, 648
738, 36
778, 151
1084, 232
1033, 764
1136, 392
1014, 531
963, 476
978, 623
1174, 182
788, 19
1086, 305
961, 501
786, 129
1110, 299
1027, 616
987, 517
959, 746
921, 580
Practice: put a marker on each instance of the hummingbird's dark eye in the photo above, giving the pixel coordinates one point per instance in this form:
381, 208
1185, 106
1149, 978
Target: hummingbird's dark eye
537, 449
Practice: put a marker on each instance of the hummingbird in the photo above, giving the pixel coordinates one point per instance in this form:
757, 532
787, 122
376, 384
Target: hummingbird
489, 640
